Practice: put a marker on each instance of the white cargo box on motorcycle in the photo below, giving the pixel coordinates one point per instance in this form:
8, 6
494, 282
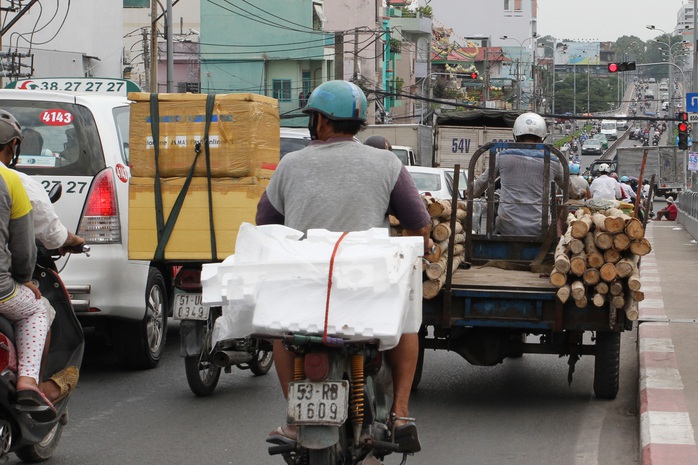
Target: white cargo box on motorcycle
277, 283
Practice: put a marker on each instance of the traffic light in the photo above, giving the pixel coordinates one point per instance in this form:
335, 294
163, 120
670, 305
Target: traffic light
683, 131
683, 116
620, 67
472, 75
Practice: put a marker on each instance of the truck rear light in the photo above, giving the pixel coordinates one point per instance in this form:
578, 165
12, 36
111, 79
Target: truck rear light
100, 223
317, 366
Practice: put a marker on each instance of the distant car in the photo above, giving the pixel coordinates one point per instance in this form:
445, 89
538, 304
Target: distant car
293, 139
592, 147
432, 181
664, 86
621, 124
601, 138
649, 94
652, 80
462, 180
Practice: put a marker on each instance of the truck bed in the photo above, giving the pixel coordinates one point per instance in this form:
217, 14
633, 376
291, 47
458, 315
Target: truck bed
485, 277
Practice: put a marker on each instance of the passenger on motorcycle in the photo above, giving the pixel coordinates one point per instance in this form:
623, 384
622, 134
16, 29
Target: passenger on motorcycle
339, 184
604, 186
53, 235
20, 299
520, 171
579, 187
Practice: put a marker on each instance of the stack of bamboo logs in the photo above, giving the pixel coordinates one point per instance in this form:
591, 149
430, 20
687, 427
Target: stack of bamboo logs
435, 264
597, 260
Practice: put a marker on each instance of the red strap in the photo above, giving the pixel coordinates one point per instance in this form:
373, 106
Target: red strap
329, 286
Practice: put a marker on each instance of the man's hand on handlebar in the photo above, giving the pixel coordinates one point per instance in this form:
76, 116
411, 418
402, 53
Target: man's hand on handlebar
73, 244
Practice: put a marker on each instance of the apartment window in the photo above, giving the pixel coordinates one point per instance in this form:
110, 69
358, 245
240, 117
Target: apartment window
281, 89
318, 16
514, 5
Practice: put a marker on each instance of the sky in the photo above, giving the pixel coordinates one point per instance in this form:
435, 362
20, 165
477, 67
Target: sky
606, 20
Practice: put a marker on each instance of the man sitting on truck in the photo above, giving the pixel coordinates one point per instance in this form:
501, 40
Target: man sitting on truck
521, 174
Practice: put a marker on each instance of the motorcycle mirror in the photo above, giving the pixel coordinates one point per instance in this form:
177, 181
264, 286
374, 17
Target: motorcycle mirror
55, 193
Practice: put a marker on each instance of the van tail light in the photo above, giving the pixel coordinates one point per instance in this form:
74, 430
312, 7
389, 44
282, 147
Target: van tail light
99, 223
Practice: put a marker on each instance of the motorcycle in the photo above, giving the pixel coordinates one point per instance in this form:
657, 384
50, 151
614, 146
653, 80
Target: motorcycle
204, 359
31, 440
340, 403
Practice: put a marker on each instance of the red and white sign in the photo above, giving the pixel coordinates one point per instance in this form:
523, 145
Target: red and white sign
56, 117
121, 173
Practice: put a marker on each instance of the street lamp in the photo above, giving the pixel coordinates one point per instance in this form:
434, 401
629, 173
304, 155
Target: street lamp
671, 75
518, 66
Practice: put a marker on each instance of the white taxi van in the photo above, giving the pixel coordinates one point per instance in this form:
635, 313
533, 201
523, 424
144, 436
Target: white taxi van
76, 133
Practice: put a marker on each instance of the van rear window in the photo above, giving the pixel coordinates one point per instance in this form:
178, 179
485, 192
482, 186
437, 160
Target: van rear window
59, 138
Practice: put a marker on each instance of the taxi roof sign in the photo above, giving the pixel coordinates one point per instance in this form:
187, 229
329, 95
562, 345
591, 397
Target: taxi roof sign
110, 86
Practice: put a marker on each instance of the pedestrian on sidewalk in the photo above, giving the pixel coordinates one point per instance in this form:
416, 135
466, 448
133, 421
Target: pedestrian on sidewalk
670, 212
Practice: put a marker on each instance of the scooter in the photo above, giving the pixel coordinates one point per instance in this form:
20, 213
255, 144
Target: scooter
31, 440
204, 359
339, 402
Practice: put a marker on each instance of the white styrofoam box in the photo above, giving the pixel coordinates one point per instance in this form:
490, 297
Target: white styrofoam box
282, 282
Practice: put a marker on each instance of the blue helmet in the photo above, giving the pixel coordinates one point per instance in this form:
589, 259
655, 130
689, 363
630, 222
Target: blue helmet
574, 168
624, 179
338, 100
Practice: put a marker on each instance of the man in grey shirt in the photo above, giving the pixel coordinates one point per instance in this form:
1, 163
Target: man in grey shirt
337, 183
521, 175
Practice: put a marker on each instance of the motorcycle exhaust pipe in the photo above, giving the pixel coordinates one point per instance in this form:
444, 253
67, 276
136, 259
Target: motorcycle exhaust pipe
226, 358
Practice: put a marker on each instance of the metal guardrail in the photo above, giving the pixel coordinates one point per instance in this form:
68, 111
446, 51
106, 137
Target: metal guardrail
688, 212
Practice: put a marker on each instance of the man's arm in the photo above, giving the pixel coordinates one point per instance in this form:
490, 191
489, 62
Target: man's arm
266, 213
407, 205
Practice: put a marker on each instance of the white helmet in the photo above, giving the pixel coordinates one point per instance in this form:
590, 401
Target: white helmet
604, 168
530, 123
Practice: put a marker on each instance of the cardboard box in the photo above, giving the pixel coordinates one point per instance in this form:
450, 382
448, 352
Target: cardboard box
234, 202
243, 134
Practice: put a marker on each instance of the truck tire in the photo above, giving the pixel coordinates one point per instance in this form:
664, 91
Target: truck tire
607, 365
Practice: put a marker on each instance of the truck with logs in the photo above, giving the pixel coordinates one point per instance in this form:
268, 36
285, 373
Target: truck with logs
488, 296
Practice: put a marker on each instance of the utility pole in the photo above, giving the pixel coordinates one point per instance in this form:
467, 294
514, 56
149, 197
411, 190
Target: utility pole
339, 55
146, 58
154, 46
170, 60
356, 54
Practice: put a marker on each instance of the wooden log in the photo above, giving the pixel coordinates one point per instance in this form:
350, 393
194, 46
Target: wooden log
615, 220
611, 256
630, 309
558, 279
564, 293
602, 287
638, 296
608, 272
634, 282
591, 277
441, 232
594, 256
436, 256
603, 240
634, 228
440, 209
576, 245
621, 241
598, 299
599, 220
461, 214
562, 261
578, 264
640, 247
618, 301
578, 289
616, 288
581, 302
459, 238
581, 226
431, 288
434, 270
626, 266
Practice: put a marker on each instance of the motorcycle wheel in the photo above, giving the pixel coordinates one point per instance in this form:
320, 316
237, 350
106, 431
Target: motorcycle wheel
202, 373
5, 437
264, 359
43, 450
326, 456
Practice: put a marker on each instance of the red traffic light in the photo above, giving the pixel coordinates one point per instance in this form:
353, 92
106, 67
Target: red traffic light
683, 127
683, 116
613, 67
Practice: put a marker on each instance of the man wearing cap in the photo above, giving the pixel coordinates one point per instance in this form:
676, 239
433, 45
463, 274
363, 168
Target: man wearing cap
579, 187
670, 212
604, 186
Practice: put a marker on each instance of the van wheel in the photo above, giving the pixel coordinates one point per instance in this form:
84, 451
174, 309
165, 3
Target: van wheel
140, 344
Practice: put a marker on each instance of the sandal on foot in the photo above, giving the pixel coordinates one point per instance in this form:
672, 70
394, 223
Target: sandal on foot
282, 435
37, 405
66, 380
405, 435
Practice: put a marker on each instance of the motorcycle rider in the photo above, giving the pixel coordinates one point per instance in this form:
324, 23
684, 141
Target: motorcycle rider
339, 184
48, 230
579, 187
19, 297
628, 194
604, 186
520, 171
